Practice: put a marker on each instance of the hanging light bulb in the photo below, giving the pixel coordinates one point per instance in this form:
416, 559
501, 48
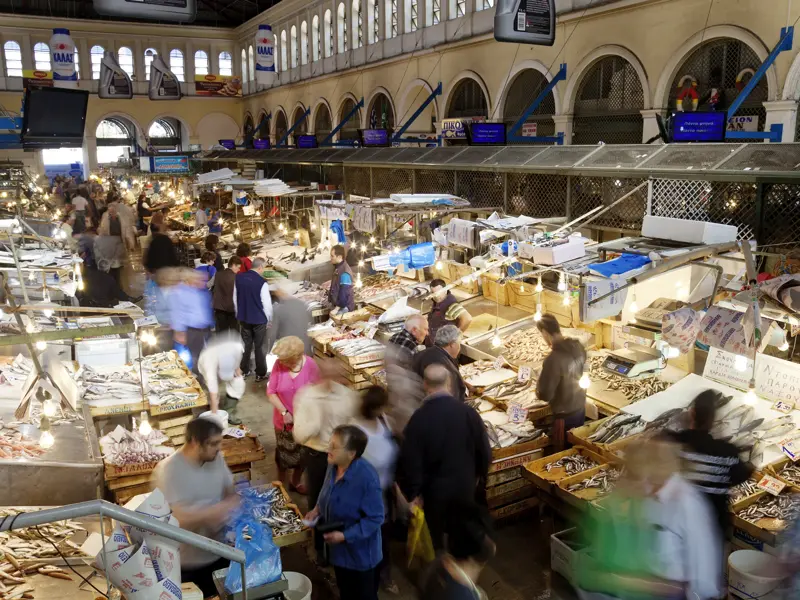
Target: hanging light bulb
46, 440
634, 307
313, 226
784, 346
562, 283
537, 316
439, 265
363, 247
258, 214
260, 232
144, 425
521, 288
361, 263
372, 239
566, 300
584, 382
297, 235
41, 345
281, 227
750, 397
49, 408
47, 313
237, 231
496, 341
539, 287
30, 328
359, 283
80, 284
32, 276
221, 222
740, 363
3, 194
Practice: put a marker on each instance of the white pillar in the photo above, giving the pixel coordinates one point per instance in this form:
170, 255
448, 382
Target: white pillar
650, 125
785, 113
89, 155
564, 123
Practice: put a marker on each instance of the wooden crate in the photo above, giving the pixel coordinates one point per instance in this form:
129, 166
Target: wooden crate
516, 449
611, 452
579, 498
458, 271
517, 460
766, 530
119, 409
118, 471
536, 471
291, 538
495, 291
503, 477
442, 270
774, 470
177, 407
517, 490
514, 509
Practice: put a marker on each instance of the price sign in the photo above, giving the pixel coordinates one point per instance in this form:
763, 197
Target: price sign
498, 363
370, 332
524, 374
771, 485
783, 406
516, 414
145, 321
234, 432
791, 448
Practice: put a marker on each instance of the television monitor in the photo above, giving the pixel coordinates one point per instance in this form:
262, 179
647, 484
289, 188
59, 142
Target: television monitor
43, 127
228, 144
306, 141
261, 144
373, 138
486, 134
699, 126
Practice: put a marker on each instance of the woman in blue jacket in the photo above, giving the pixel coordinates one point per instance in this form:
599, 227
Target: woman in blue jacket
351, 502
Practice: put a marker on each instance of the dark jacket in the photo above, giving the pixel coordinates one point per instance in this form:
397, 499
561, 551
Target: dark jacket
248, 298
161, 253
290, 316
561, 371
436, 318
342, 295
223, 290
445, 451
439, 356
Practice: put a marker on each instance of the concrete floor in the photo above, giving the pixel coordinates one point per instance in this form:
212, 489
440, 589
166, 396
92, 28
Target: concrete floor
520, 571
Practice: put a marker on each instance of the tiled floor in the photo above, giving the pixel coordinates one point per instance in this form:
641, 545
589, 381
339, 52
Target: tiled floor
520, 571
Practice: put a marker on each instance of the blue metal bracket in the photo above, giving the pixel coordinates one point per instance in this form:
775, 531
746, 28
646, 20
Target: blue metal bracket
350, 115
776, 131
431, 97
10, 140
558, 139
293, 127
264, 120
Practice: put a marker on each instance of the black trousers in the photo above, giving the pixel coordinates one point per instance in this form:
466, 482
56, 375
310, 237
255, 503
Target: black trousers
226, 321
316, 465
254, 334
357, 585
196, 341
203, 577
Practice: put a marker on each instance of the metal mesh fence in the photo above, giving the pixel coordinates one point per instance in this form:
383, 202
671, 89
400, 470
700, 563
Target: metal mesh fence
356, 180
730, 203
390, 181
537, 195
435, 182
591, 192
482, 189
780, 223
609, 129
333, 175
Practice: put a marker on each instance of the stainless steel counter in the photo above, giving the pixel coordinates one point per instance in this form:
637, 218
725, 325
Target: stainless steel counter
480, 347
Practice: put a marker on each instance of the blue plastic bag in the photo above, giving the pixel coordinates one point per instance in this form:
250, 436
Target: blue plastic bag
262, 556
422, 255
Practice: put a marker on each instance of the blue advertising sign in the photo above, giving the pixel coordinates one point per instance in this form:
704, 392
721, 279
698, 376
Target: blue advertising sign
306, 141
375, 137
229, 144
261, 144
169, 164
699, 126
487, 133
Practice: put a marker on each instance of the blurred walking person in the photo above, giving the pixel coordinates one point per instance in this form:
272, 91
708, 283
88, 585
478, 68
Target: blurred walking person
445, 352
253, 306
224, 284
190, 315
290, 317
219, 362
445, 454
405, 385
292, 371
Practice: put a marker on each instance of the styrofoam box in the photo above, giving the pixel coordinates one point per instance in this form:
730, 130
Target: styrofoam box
562, 556
555, 255
686, 230
101, 353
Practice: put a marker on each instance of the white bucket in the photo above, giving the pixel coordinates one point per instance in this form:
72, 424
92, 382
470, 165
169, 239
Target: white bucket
754, 575
221, 417
299, 586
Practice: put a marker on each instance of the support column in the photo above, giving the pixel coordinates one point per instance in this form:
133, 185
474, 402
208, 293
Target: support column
89, 155
650, 125
785, 113
564, 124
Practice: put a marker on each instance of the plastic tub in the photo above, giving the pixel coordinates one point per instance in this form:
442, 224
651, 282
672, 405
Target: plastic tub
754, 575
299, 586
221, 417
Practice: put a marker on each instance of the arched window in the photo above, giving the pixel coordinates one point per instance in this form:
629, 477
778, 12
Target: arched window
251, 63
294, 46
303, 43
244, 65
41, 56
349, 130
322, 123
200, 63
458, 8
125, 59
96, 57
316, 40
392, 24
285, 47
161, 129
13, 56
280, 126
467, 100
358, 25
114, 135
302, 127
276, 55
525, 87
381, 115
176, 63
328, 34
484, 4
434, 12
77, 64
225, 64
608, 104
149, 55
412, 15
341, 27
373, 22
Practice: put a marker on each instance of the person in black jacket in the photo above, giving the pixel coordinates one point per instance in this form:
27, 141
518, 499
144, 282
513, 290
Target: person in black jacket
713, 466
161, 252
445, 352
445, 455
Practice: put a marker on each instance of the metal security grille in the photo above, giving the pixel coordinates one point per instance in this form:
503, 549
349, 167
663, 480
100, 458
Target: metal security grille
390, 181
482, 189
537, 195
780, 223
248, 126
467, 101
302, 127
356, 181
280, 126
434, 182
717, 65
591, 192
730, 203
607, 105
380, 113
350, 129
333, 175
322, 123
525, 88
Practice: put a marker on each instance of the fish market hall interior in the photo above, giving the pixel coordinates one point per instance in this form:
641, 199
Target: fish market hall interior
587, 210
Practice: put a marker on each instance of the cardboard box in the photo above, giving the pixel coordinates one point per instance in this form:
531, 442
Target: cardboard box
686, 230
564, 548
555, 255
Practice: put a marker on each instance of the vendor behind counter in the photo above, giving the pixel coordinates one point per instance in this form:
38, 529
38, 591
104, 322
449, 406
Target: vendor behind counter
446, 310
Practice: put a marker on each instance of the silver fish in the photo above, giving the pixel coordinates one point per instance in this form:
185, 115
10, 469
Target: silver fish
571, 464
743, 490
785, 507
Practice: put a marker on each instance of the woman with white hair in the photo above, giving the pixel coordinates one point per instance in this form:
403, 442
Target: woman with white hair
445, 351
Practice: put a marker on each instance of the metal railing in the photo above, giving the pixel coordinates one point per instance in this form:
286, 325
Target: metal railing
106, 509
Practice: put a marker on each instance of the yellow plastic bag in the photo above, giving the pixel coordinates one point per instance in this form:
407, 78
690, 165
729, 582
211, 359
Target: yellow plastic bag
419, 538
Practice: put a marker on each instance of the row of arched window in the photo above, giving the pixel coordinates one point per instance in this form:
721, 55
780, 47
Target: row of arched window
12, 54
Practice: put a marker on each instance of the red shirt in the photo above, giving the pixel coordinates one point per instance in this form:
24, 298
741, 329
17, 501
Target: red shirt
246, 264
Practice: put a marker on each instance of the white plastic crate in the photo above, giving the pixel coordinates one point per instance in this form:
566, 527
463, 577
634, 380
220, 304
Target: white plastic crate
688, 231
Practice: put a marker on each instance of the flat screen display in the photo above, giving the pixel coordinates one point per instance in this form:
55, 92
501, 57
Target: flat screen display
229, 144
487, 134
306, 141
375, 137
261, 144
699, 126
44, 127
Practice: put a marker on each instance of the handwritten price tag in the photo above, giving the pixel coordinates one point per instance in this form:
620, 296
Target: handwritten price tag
784, 406
791, 448
498, 363
516, 414
370, 333
234, 432
524, 374
771, 485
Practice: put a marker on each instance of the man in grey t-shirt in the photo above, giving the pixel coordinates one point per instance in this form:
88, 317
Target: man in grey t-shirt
199, 489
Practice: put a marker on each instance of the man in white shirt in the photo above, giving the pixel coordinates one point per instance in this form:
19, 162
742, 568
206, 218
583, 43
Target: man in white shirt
219, 361
79, 203
200, 218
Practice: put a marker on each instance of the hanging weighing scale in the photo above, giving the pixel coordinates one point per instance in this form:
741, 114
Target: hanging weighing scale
633, 360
